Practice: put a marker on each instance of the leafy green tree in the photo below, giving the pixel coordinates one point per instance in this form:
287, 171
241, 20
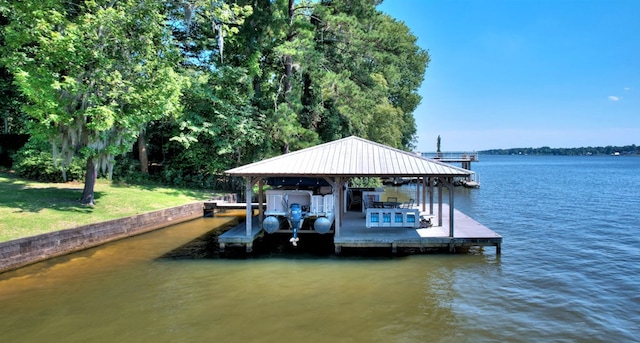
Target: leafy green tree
218, 129
373, 63
13, 120
403, 65
93, 72
199, 29
275, 45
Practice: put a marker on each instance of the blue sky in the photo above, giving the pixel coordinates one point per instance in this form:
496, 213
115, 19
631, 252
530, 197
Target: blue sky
526, 73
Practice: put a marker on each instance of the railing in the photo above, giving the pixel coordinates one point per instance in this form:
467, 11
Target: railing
452, 156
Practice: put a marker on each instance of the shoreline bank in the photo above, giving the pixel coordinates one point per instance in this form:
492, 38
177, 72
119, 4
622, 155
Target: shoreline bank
21, 252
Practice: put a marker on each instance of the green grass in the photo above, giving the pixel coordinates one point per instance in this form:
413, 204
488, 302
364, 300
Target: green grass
32, 208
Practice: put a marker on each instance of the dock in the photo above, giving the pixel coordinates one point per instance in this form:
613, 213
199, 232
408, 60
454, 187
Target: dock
237, 236
464, 158
467, 233
354, 234
471, 184
210, 208
318, 178
453, 157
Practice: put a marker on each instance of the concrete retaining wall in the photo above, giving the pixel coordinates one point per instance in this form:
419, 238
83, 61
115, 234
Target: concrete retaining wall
21, 252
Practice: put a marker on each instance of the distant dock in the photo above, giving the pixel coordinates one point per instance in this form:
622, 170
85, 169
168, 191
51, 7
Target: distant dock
453, 156
464, 158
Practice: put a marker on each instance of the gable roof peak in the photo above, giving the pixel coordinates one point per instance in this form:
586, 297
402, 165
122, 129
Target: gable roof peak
349, 156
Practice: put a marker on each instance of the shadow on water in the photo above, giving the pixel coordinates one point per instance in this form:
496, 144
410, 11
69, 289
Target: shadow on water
267, 246
312, 246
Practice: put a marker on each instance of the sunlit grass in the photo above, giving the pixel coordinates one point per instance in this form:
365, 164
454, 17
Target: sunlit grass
32, 208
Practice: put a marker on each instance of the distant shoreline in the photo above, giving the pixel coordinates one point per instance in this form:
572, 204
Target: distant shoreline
628, 150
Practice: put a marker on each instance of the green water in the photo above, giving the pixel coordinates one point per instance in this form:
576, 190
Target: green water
568, 273
127, 291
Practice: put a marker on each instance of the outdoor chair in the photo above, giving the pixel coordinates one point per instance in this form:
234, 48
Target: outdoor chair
392, 202
408, 204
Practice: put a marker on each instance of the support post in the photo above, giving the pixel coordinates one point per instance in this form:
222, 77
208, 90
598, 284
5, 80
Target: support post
440, 201
431, 195
338, 205
451, 196
337, 184
421, 204
260, 201
249, 213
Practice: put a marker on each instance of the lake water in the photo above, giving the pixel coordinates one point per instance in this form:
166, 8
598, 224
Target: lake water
569, 272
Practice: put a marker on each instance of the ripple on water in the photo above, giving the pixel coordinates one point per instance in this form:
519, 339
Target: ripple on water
568, 273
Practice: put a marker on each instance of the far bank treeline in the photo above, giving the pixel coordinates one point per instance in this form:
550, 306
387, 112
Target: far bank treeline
583, 151
195, 87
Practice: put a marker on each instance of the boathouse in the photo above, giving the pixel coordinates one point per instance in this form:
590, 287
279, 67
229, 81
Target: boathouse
335, 163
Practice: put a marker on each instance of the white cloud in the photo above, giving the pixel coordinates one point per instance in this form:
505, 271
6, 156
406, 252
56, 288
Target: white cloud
614, 98
627, 88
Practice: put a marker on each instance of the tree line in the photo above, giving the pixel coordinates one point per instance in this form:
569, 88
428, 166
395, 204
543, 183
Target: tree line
582, 151
190, 88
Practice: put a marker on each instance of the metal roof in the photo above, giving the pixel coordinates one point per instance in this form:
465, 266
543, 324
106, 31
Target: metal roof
351, 156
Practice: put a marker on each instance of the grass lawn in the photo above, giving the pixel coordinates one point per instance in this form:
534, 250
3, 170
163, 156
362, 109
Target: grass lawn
31, 208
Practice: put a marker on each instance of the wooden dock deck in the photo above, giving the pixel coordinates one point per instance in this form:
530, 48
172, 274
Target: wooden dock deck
211, 207
354, 233
467, 233
238, 235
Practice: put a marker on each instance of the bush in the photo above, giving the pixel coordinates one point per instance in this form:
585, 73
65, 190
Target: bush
127, 169
188, 178
365, 182
34, 161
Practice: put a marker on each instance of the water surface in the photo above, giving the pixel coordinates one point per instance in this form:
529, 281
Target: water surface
568, 272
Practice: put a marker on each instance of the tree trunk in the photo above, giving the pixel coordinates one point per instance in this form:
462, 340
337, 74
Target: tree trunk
142, 152
89, 183
288, 59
